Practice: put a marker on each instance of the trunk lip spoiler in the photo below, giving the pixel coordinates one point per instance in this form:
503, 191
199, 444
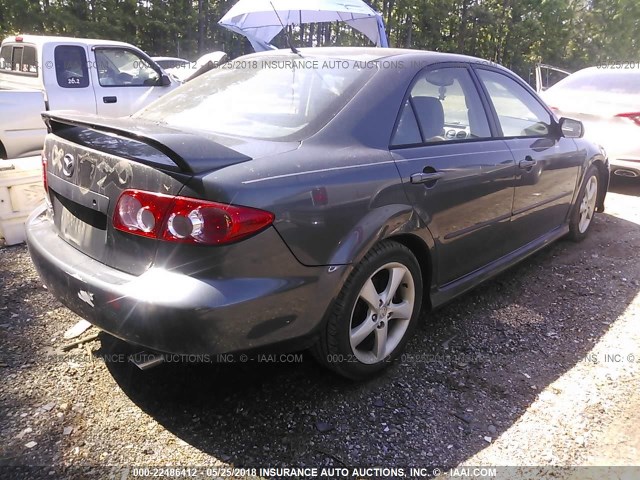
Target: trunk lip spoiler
106, 125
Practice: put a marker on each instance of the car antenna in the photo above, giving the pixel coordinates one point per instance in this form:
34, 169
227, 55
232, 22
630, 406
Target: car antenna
286, 35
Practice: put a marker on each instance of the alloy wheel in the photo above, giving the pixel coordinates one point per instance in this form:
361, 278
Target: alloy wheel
382, 313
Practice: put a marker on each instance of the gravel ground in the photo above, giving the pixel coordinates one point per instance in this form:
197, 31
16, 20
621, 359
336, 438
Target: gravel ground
521, 371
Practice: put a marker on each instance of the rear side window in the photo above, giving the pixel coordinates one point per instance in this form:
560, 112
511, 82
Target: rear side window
19, 59
71, 66
407, 131
519, 113
443, 105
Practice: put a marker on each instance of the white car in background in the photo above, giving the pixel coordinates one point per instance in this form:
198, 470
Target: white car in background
185, 70
607, 101
171, 62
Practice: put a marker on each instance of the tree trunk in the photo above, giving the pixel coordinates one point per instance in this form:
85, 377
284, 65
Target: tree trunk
202, 33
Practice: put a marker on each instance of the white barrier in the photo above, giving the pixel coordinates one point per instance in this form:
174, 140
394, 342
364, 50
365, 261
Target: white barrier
20, 192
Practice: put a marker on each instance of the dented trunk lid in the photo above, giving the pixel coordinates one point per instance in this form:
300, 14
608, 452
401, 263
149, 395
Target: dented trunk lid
91, 161
84, 186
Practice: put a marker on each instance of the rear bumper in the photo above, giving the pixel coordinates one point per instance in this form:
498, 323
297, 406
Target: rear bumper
173, 312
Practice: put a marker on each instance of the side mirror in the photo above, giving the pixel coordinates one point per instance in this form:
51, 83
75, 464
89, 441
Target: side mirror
571, 128
165, 81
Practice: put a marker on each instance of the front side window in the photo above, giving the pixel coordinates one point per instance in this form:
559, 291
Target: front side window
71, 66
519, 113
270, 99
20, 59
443, 106
118, 67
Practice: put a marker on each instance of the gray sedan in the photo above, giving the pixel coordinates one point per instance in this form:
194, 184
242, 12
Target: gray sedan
319, 200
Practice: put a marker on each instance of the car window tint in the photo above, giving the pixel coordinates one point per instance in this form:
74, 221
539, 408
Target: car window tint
448, 107
5, 58
407, 131
29, 60
118, 67
71, 66
519, 113
19, 59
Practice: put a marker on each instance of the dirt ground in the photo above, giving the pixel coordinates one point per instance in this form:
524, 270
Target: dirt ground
537, 367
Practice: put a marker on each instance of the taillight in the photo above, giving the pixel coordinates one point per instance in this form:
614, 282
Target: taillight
141, 213
634, 117
186, 220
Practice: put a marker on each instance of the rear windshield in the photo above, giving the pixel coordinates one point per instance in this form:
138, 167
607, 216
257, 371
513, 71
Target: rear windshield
19, 59
602, 80
267, 98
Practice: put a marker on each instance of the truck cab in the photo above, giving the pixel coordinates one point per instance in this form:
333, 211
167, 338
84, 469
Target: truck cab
104, 77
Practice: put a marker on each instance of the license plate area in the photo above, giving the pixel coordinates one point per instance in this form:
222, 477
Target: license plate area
80, 216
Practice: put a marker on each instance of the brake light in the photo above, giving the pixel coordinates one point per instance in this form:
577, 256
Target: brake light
19, 38
186, 220
634, 117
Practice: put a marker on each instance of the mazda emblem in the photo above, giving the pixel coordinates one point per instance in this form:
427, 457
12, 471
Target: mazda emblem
68, 165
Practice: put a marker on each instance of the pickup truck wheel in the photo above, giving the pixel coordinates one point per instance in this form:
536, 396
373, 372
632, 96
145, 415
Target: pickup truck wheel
374, 315
585, 207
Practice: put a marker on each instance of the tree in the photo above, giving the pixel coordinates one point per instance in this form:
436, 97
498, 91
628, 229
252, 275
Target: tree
516, 33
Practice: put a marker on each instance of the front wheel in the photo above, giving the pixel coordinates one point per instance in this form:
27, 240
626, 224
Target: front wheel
585, 207
374, 314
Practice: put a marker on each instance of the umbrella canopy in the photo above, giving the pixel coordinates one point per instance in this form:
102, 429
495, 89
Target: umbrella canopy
258, 19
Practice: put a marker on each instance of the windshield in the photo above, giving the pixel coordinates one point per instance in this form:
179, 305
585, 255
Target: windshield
602, 80
266, 98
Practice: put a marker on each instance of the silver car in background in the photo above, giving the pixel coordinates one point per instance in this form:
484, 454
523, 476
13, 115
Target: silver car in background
607, 101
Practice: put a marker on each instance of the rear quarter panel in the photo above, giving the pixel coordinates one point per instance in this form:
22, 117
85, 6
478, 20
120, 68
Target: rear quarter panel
340, 191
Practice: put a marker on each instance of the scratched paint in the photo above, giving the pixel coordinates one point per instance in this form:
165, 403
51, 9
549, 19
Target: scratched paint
86, 297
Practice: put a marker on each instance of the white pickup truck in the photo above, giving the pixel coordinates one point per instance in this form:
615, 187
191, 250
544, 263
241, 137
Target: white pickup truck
37, 73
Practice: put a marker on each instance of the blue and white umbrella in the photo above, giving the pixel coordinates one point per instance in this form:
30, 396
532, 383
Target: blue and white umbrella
261, 20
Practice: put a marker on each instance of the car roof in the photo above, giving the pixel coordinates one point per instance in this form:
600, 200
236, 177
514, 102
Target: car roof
373, 54
610, 68
40, 40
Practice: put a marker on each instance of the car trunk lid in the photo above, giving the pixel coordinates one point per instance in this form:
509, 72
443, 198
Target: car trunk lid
91, 161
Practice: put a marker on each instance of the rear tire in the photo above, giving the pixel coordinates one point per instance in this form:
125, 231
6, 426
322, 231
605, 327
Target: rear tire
374, 315
585, 208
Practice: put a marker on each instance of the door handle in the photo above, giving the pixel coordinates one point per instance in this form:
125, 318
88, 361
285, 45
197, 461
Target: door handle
527, 163
110, 99
423, 177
